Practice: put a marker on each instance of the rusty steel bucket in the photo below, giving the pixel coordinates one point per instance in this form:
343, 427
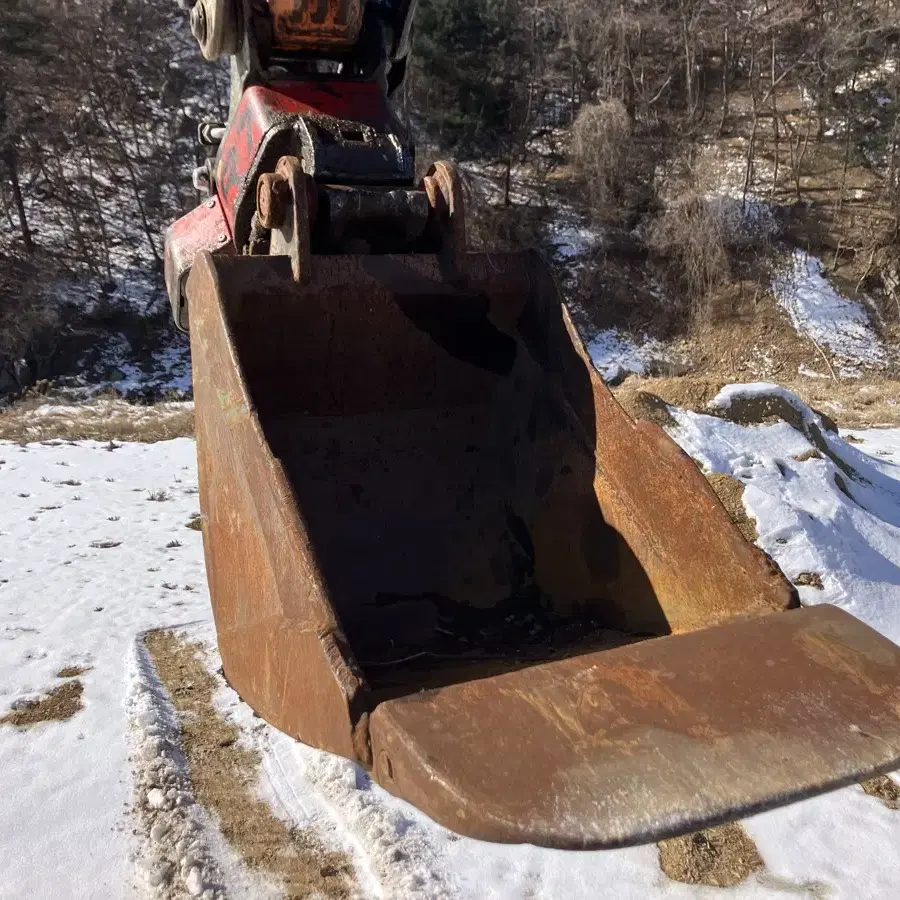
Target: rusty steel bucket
437, 546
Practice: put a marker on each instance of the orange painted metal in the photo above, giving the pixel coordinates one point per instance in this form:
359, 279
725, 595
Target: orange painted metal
316, 25
423, 506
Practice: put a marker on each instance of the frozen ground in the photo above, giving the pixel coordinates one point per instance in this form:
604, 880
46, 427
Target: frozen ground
615, 353
94, 550
819, 312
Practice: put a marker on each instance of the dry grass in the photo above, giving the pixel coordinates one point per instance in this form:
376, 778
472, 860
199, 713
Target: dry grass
719, 857
886, 790
58, 705
731, 492
690, 237
607, 159
869, 403
105, 420
72, 671
224, 775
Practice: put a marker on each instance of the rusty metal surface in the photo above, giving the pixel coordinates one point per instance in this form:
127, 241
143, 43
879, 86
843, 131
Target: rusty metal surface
277, 631
291, 238
411, 476
650, 740
696, 568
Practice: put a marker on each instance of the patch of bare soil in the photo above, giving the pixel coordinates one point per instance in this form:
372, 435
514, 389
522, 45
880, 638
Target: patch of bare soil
747, 336
58, 705
731, 492
642, 397
224, 773
107, 420
871, 401
720, 857
886, 790
810, 579
72, 671
644, 405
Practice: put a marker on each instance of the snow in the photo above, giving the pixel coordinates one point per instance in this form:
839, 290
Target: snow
167, 371
185, 849
571, 238
818, 311
65, 600
615, 353
806, 522
86, 569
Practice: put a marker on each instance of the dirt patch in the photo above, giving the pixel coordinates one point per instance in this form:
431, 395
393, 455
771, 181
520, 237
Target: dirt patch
60, 704
224, 773
195, 523
748, 336
853, 403
886, 790
731, 492
108, 420
688, 393
644, 405
808, 455
810, 579
72, 671
770, 408
719, 857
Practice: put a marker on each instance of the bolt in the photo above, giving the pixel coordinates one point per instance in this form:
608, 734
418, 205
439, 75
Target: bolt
272, 195
223, 238
211, 203
198, 23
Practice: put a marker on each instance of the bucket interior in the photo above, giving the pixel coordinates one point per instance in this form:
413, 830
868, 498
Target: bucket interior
446, 485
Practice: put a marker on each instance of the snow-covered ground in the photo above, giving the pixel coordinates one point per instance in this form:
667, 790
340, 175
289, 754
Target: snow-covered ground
818, 311
94, 550
615, 353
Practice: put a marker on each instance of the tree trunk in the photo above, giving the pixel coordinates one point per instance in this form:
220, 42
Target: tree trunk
12, 167
776, 128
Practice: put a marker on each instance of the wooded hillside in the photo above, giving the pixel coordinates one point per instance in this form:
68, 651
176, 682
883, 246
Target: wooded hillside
633, 116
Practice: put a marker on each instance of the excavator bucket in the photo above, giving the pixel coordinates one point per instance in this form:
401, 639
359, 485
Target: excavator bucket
439, 547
